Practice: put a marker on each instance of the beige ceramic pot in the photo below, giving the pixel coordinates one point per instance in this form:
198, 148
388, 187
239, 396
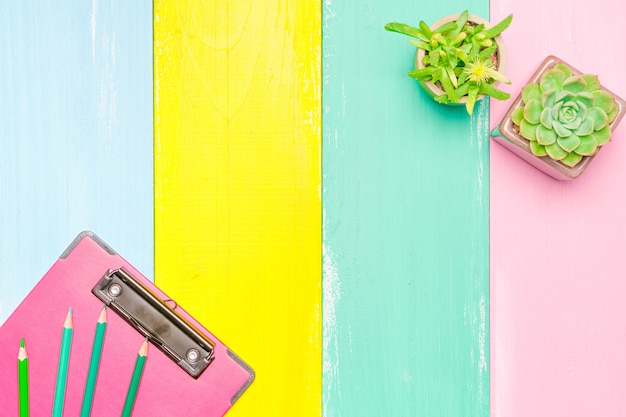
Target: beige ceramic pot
432, 89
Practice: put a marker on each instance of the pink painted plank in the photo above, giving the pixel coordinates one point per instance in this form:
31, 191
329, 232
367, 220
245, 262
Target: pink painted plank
558, 276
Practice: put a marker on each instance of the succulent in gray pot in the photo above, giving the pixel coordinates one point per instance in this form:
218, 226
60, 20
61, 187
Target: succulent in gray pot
460, 59
560, 120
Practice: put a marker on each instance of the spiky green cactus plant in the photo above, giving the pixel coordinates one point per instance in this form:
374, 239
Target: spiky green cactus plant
565, 116
460, 56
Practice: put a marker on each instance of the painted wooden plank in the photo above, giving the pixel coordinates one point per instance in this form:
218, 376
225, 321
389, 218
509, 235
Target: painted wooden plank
237, 185
406, 189
76, 143
557, 248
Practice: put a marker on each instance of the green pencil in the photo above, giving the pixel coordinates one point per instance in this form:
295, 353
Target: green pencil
22, 376
136, 378
94, 364
64, 363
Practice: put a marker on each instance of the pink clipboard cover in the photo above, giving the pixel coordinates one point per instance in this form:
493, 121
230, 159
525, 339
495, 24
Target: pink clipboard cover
166, 389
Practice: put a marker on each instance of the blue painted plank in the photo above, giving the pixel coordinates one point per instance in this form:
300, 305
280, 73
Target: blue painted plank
406, 215
76, 141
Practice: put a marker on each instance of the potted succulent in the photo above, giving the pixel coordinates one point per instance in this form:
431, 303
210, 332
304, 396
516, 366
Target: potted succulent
560, 119
460, 58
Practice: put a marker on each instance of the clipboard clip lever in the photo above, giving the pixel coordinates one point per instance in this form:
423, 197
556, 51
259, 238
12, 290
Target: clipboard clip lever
155, 319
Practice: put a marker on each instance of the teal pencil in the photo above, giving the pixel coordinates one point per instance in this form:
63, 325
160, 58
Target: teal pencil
134, 381
94, 364
64, 363
22, 375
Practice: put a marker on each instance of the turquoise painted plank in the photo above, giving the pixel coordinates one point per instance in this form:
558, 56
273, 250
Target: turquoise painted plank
76, 123
406, 214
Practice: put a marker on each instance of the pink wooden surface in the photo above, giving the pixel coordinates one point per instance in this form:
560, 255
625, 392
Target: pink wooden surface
558, 276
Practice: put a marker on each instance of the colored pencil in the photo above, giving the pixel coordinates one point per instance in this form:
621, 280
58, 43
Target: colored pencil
22, 376
136, 378
64, 362
94, 364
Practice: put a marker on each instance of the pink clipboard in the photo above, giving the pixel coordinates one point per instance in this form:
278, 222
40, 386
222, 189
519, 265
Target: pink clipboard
88, 275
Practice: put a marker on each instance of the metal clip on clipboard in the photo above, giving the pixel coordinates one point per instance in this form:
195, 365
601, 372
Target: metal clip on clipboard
154, 319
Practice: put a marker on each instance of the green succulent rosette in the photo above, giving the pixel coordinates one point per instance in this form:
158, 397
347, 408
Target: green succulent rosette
565, 116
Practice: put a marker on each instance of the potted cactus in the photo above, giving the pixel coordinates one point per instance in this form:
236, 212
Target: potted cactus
460, 58
560, 120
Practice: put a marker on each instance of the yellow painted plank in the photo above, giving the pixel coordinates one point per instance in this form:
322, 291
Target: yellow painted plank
237, 185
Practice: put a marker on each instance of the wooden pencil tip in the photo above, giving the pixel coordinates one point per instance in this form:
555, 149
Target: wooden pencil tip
143, 350
103, 315
22, 353
69, 322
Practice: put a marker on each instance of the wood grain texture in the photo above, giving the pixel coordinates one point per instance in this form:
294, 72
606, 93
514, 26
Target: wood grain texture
406, 205
558, 314
237, 183
76, 142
